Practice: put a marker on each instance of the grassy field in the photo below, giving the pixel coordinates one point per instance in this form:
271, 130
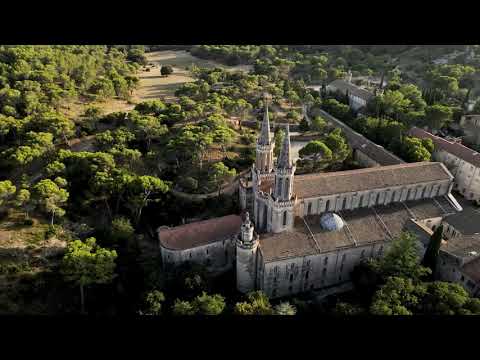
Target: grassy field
154, 86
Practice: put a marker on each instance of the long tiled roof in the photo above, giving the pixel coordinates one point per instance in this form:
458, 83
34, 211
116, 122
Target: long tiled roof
199, 233
462, 245
312, 185
352, 89
363, 226
361, 143
472, 269
454, 148
466, 222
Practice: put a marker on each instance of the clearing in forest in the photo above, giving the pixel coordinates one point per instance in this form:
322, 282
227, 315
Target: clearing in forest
155, 86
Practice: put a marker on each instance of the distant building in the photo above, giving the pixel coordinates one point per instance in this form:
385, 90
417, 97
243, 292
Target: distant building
463, 163
459, 258
358, 97
365, 151
470, 124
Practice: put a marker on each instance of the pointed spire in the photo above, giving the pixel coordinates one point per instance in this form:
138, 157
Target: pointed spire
265, 138
285, 160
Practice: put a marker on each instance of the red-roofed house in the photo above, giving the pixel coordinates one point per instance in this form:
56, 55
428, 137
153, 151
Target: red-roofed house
463, 163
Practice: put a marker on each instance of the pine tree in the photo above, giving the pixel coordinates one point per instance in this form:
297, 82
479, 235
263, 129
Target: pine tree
433, 249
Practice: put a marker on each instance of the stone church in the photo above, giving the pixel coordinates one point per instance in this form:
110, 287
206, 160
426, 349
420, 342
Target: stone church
299, 233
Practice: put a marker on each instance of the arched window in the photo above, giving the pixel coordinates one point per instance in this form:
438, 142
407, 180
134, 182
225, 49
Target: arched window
287, 188
265, 213
279, 186
327, 205
284, 218
344, 204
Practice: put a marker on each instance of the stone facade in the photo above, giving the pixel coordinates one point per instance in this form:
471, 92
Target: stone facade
286, 249
470, 124
462, 162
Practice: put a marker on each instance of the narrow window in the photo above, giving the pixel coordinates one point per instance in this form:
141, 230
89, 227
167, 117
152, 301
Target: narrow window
340, 278
327, 206
279, 187
274, 292
344, 257
324, 272
207, 251
291, 277
341, 268
362, 255
284, 218
309, 208
344, 204
306, 275
287, 188
325, 262
190, 255
311, 287
462, 278
290, 289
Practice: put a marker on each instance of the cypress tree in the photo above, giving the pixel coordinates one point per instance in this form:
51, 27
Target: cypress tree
433, 249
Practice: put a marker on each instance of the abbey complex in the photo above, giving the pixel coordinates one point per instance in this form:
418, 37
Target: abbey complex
299, 233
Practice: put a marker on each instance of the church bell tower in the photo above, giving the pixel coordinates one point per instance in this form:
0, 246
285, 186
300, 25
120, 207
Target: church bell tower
264, 148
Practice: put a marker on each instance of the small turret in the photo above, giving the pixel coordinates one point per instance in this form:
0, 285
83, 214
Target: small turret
246, 257
246, 232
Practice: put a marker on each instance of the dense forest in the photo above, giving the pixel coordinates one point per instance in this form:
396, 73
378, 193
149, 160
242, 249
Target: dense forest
86, 218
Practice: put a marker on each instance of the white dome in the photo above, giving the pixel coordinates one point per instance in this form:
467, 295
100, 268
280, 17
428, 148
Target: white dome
331, 222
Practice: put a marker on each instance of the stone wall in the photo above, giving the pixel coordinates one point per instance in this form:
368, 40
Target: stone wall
348, 201
467, 176
301, 274
219, 255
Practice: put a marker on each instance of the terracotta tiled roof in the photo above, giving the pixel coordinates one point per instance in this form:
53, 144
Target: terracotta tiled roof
361, 143
472, 269
306, 186
199, 233
462, 245
466, 221
363, 226
343, 86
457, 149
